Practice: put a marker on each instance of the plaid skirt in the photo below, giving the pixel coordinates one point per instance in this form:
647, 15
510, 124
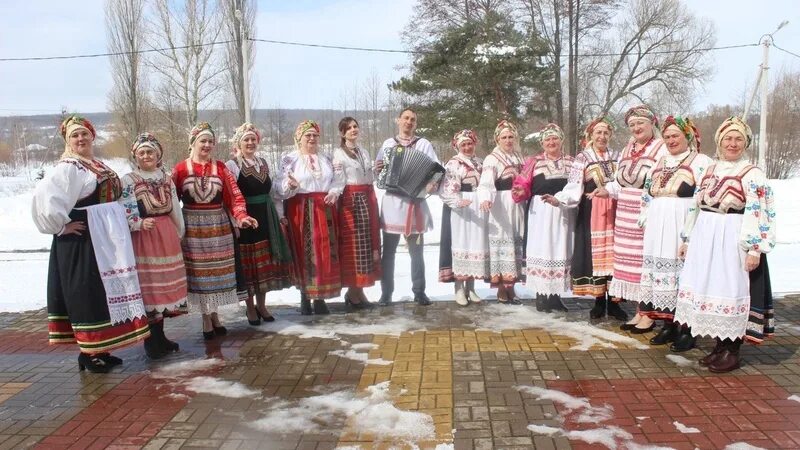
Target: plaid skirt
359, 232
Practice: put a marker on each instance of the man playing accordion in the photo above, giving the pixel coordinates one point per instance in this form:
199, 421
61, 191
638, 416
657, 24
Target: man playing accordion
404, 216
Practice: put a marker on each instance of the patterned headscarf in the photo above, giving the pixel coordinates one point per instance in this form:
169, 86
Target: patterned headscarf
644, 112
303, 129
685, 126
550, 129
587, 133
461, 136
147, 140
505, 125
199, 130
246, 129
733, 123
69, 125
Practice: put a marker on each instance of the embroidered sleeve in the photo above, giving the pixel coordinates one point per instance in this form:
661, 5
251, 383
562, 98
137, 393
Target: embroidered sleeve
758, 226
231, 195
486, 187
233, 168
55, 196
128, 202
175, 215
339, 175
570, 196
450, 191
524, 181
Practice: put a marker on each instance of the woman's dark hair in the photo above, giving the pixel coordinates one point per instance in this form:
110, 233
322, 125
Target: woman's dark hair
344, 124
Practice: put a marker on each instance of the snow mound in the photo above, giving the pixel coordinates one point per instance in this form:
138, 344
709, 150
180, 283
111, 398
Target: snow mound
500, 318
220, 388
372, 414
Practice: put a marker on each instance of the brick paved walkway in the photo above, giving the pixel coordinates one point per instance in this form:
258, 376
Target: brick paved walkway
398, 377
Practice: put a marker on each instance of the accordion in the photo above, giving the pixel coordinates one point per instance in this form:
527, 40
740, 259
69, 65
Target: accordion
408, 172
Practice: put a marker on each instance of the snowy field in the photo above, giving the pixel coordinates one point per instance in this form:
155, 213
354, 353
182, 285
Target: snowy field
24, 257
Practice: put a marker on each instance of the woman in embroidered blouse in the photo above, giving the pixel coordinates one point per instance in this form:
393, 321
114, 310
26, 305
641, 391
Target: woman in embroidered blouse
643, 150
359, 220
308, 184
463, 248
156, 224
728, 231
668, 191
550, 232
209, 194
593, 256
506, 218
264, 255
93, 296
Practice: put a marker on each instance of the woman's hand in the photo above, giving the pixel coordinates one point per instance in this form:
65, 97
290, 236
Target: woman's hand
331, 198
682, 250
550, 200
74, 228
463, 203
600, 192
486, 206
431, 187
517, 191
751, 262
148, 223
379, 164
292, 182
248, 222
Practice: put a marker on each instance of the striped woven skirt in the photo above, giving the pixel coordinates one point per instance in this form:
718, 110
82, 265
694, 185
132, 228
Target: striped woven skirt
209, 257
359, 232
162, 274
313, 237
628, 246
266, 260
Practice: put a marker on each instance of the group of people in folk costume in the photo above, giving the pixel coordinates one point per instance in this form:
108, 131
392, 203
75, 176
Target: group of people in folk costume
659, 224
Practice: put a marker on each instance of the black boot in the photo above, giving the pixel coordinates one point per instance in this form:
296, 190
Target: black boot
166, 344
320, 307
541, 303
305, 305
668, 333
92, 363
553, 303
152, 345
684, 342
599, 309
422, 299
709, 358
615, 311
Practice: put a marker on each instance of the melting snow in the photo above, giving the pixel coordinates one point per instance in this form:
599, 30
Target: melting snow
185, 368
684, 429
794, 397
680, 361
742, 446
332, 327
221, 388
588, 414
361, 357
373, 414
501, 317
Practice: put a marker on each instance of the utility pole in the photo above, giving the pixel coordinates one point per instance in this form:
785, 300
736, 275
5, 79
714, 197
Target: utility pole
763, 80
243, 67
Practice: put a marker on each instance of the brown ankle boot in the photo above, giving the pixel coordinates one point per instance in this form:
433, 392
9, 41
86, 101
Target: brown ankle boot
728, 359
706, 360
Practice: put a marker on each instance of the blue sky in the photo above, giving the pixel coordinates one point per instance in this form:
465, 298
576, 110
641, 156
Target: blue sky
295, 77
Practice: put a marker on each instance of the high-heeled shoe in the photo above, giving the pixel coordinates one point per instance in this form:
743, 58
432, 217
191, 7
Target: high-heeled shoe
255, 322
267, 318
637, 330
93, 364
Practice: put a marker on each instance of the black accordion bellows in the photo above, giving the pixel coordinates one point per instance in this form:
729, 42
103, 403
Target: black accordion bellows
410, 171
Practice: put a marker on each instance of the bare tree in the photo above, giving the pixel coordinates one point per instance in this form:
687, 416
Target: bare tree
234, 59
125, 29
658, 47
783, 149
189, 67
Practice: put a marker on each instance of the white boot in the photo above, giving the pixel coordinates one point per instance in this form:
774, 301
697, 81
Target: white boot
461, 295
473, 296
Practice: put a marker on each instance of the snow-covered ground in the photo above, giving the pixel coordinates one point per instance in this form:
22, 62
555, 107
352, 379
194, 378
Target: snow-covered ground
23, 256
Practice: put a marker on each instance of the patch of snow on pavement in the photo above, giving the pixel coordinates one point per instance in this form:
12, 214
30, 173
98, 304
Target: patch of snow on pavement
185, 368
680, 361
742, 446
373, 413
220, 388
794, 398
684, 429
588, 413
501, 317
361, 357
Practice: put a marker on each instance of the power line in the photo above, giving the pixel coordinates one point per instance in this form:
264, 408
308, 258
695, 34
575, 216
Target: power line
340, 47
785, 51
103, 55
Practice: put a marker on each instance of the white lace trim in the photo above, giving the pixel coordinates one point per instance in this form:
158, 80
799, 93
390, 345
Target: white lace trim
470, 267
208, 303
160, 308
624, 290
695, 311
